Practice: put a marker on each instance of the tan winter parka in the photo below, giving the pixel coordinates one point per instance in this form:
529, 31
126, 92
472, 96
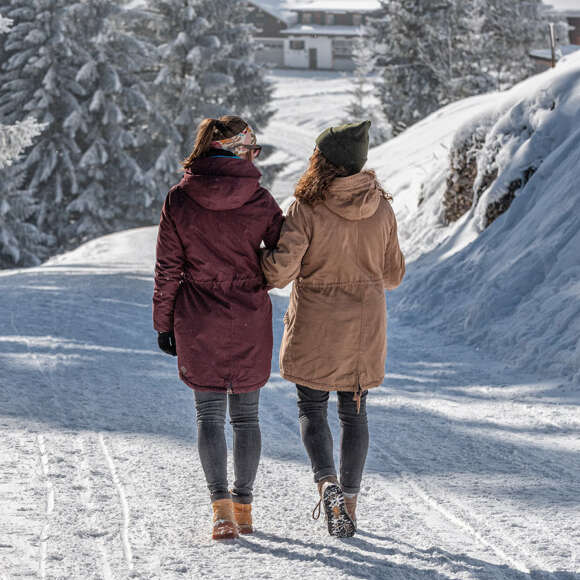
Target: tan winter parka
342, 254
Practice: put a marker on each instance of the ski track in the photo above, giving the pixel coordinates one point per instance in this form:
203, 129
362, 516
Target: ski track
49, 509
126, 523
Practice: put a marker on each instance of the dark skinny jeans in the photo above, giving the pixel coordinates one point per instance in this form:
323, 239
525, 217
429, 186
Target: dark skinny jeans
211, 442
317, 438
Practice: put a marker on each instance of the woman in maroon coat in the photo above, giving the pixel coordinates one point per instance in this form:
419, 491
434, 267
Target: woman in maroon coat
211, 307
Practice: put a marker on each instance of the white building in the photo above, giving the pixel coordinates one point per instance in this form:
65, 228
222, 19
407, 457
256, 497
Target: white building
324, 32
318, 34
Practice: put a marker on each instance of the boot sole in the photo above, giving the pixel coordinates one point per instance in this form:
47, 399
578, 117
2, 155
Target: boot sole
339, 522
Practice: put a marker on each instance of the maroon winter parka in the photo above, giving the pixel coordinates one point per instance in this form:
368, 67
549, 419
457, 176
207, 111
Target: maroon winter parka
209, 287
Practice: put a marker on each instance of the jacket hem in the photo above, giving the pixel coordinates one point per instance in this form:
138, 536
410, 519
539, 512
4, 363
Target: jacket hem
236, 389
324, 387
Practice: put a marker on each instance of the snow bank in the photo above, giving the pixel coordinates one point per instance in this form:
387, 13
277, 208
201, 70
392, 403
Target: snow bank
513, 288
135, 248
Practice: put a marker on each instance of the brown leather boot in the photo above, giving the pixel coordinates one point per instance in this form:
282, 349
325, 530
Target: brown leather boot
331, 478
350, 504
224, 522
243, 514
337, 518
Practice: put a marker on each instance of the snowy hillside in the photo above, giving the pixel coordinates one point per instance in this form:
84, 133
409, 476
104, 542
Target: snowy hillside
513, 289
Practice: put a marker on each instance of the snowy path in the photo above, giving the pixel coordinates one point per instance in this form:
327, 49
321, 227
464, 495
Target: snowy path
305, 103
473, 470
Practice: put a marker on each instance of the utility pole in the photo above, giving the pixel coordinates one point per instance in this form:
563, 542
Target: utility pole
553, 43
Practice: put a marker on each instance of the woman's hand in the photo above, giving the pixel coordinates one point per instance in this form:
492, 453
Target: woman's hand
166, 342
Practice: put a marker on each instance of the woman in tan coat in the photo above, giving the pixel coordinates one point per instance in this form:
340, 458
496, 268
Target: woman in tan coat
339, 245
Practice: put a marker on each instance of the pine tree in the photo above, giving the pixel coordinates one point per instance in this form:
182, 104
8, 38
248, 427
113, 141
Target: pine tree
407, 88
14, 138
206, 70
432, 53
510, 30
363, 104
115, 191
20, 241
38, 80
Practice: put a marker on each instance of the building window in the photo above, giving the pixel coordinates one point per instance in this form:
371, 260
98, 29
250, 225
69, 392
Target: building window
297, 45
342, 48
330, 20
306, 18
357, 19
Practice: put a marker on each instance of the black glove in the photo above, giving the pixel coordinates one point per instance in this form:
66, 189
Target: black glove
166, 342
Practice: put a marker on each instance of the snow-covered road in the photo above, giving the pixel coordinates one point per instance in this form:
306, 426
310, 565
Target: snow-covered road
306, 103
473, 470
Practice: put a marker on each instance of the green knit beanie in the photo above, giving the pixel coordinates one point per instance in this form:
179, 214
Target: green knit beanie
346, 146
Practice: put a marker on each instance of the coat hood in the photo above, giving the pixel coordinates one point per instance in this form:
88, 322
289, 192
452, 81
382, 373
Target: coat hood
355, 197
221, 183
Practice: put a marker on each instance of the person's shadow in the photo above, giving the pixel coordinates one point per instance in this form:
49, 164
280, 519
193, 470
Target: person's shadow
360, 557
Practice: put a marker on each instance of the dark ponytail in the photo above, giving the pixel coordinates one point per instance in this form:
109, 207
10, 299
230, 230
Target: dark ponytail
213, 130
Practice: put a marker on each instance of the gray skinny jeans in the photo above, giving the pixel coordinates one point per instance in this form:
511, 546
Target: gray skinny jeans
317, 438
211, 442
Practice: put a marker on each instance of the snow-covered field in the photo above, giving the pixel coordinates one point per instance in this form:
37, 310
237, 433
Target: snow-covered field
472, 473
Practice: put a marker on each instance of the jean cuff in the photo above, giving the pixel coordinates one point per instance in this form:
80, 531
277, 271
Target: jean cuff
350, 490
242, 498
322, 473
215, 495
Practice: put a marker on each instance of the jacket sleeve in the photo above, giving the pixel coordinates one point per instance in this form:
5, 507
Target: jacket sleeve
394, 269
168, 270
272, 234
282, 264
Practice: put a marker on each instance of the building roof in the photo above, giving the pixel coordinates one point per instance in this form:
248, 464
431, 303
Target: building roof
276, 8
569, 7
321, 30
546, 53
333, 6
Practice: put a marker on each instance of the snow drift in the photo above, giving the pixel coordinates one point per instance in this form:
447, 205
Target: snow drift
511, 284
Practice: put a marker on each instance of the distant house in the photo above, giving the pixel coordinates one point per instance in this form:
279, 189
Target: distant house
269, 20
324, 33
543, 56
318, 34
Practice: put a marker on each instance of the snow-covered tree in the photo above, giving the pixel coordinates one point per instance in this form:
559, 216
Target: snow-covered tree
510, 30
20, 240
206, 69
5, 24
14, 138
432, 53
38, 79
364, 104
114, 189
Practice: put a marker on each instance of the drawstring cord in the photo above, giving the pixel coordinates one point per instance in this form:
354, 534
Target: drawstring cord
316, 510
357, 396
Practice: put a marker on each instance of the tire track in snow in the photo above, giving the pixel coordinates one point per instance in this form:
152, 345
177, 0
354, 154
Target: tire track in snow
537, 465
125, 524
49, 506
463, 523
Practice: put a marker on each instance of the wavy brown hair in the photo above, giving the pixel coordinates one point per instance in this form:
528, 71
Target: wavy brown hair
313, 185
213, 130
